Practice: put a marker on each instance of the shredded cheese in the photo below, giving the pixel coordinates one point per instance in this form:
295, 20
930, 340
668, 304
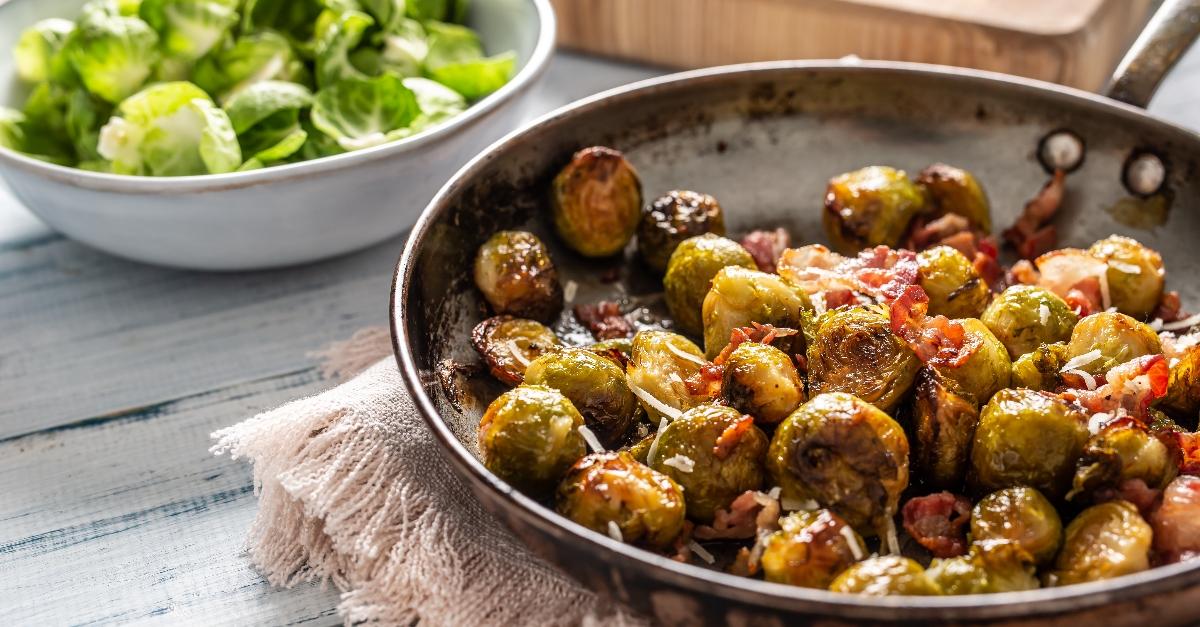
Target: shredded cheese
517, 353
1180, 325
701, 552
569, 291
591, 439
797, 505
1105, 296
1156, 324
682, 463
1088, 379
1044, 314
684, 355
852, 542
614, 531
1098, 421
774, 493
1127, 268
818, 301
653, 452
1077, 362
654, 403
893, 542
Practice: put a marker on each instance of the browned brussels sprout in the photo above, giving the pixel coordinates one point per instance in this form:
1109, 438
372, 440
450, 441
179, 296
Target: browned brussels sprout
659, 366
854, 351
514, 271
1027, 438
1024, 317
597, 202
1122, 451
943, 427
810, 549
1109, 339
691, 269
987, 370
1183, 386
1021, 515
673, 218
529, 437
607, 491
762, 381
741, 296
887, 575
1135, 275
1038, 370
954, 190
1104, 541
594, 385
616, 350
954, 288
845, 454
870, 207
509, 344
989, 567
640, 450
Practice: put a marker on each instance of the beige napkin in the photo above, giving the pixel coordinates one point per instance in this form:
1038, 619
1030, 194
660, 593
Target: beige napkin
352, 490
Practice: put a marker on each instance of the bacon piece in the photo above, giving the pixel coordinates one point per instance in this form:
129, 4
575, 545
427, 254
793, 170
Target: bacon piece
938, 522
766, 247
758, 333
879, 273
1085, 298
936, 340
1135, 491
746, 515
1176, 522
1030, 235
604, 320
681, 551
1130, 387
731, 436
706, 383
1024, 273
1170, 308
1186, 448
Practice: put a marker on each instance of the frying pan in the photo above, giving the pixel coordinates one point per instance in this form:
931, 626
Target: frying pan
764, 138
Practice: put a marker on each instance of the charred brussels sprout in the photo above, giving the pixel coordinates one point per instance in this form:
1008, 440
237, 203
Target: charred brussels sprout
1183, 386
1027, 438
944, 421
955, 290
594, 385
1024, 317
514, 271
659, 365
845, 454
888, 575
509, 344
692, 268
1104, 541
1120, 452
869, 207
854, 351
954, 190
762, 381
1135, 275
715, 453
1115, 337
740, 296
646, 506
673, 218
1038, 370
989, 567
529, 437
810, 549
1020, 515
988, 369
597, 202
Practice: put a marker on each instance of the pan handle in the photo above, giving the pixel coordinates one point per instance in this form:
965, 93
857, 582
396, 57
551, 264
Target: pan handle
1169, 34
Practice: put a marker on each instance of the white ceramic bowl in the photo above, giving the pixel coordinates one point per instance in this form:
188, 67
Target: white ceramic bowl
282, 215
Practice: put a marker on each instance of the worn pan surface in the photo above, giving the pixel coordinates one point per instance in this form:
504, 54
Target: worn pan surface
764, 139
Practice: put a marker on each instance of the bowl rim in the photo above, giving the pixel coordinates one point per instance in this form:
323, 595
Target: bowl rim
537, 64
756, 592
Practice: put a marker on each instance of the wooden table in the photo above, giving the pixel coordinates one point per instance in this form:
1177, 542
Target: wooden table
113, 374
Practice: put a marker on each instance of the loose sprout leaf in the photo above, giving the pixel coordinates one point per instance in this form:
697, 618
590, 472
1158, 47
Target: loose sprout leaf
479, 78
451, 43
438, 103
262, 100
359, 113
294, 19
387, 13
404, 48
38, 47
252, 59
218, 143
189, 29
430, 9
113, 54
335, 46
18, 133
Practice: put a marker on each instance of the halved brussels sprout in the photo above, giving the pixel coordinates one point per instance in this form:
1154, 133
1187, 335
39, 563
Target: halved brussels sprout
988, 369
660, 364
1020, 515
853, 350
597, 202
954, 288
603, 489
1104, 541
1183, 386
1038, 369
741, 296
845, 454
509, 344
690, 272
514, 271
810, 549
1135, 274
1122, 451
954, 190
887, 575
529, 437
673, 218
1025, 317
944, 421
762, 381
869, 207
594, 385
616, 350
1116, 336
989, 567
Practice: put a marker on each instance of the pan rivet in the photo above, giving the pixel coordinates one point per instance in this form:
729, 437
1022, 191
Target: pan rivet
1144, 173
1061, 150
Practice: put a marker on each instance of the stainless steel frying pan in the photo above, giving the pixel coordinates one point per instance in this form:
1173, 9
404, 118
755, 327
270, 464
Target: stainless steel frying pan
764, 138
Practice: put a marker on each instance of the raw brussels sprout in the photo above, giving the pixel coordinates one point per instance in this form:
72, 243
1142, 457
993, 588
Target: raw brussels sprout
1027, 438
869, 207
845, 454
36, 56
509, 344
514, 271
887, 575
660, 362
189, 29
673, 218
762, 381
740, 296
1020, 515
266, 118
989, 567
853, 350
113, 54
987, 370
1183, 386
597, 202
691, 269
1135, 275
1122, 451
943, 424
646, 506
1116, 336
1038, 369
1104, 541
955, 290
529, 437
1024, 317
594, 385
954, 190
715, 453
365, 112
810, 549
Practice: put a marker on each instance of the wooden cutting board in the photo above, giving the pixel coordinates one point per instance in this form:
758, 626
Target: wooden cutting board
1074, 42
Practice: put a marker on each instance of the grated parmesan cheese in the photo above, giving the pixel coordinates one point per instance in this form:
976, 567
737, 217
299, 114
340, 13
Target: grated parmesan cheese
798, 505
1098, 421
682, 463
1082, 360
701, 552
569, 291
684, 355
517, 353
614, 531
1105, 296
592, 441
654, 403
1044, 313
852, 542
893, 542
650, 455
1156, 324
818, 302
1127, 268
1187, 322
1088, 379
774, 493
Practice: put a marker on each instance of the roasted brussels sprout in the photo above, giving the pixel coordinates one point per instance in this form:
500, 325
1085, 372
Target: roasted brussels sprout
1024, 317
869, 207
854, 350
514, 271
529, 437
597, 202
659, 364
1020, 515
616, 350
989, 567
888, 575
691, 269
954, 190
1183, 386
740, 296
943, 425
1104, 541
509, 344
845, 454
594, 385
715, 453
605, 489
1027, 438
640, 450
810, 549
762, 381
673, 218
1114, 337
954, 288
1122, 451
987, 370
1135, 275
1038, 369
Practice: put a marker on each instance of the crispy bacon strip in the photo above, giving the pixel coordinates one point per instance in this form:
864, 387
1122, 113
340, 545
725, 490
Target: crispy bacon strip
1031, 235
938, 522
731, 436
766, 247
604, 320
759, 333
746, 515
936, 340
1176, 522
1186, 449
876, 274
1130, 387
1170, 308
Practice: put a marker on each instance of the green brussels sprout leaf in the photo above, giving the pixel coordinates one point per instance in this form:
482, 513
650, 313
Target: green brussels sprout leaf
189, 29
266, 117
253, 58
456, 60
37, 51
360, 113
337, 43
113, 54
17, 133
